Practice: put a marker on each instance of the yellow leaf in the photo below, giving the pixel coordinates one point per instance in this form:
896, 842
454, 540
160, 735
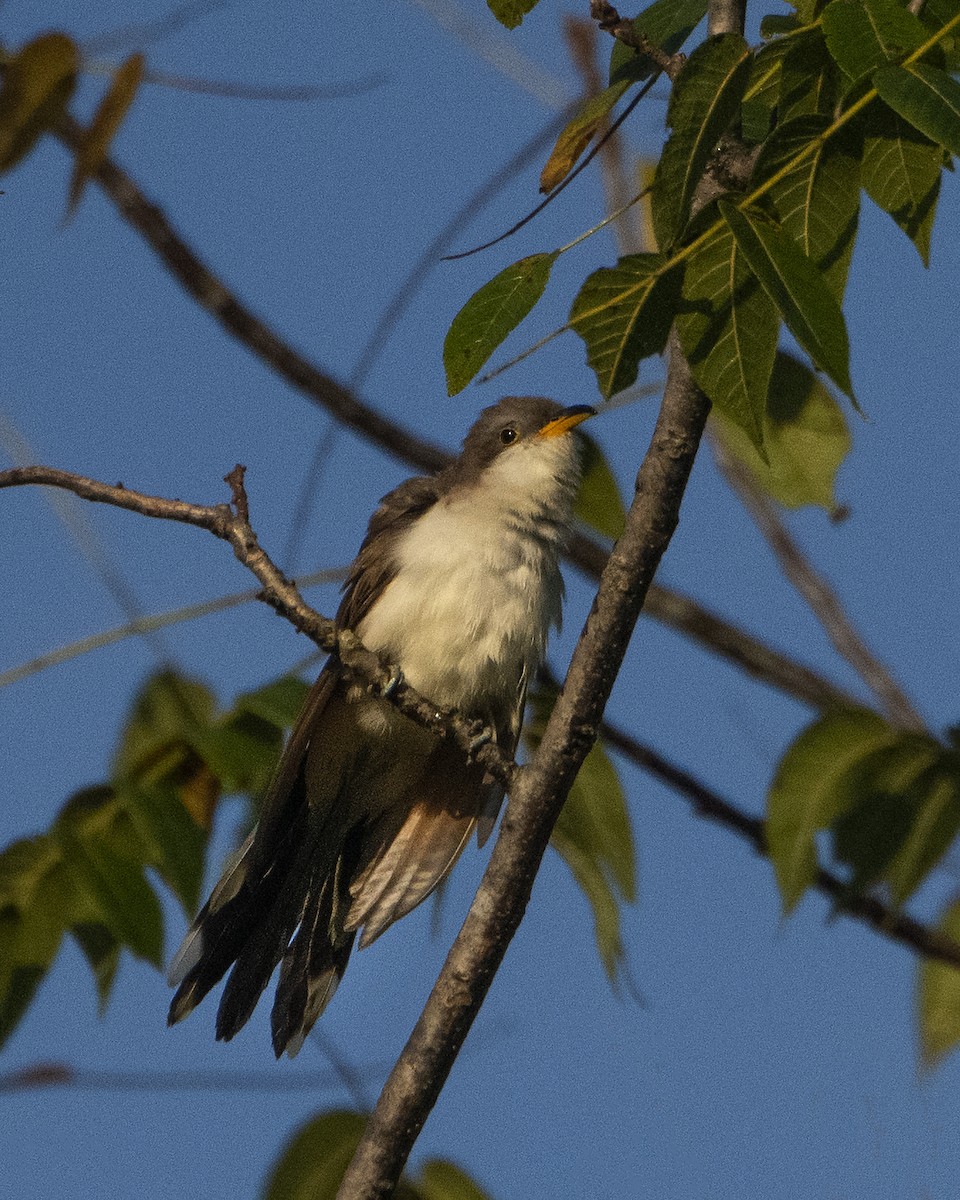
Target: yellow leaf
577, 135
37, 84
107, 120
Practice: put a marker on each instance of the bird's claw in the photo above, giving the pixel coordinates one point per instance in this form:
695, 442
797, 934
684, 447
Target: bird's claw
396, 678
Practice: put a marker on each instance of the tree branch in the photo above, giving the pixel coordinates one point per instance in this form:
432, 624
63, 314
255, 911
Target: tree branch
822, 600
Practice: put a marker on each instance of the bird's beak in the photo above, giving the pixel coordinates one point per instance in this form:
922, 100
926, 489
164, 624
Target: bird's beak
569, 418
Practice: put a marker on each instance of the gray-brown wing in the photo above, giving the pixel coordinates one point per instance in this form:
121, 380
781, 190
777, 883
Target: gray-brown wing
375, 565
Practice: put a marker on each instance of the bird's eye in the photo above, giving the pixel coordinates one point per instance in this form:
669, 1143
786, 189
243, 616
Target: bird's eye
509, 435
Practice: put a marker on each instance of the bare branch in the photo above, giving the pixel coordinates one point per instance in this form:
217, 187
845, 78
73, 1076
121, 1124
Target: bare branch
151, 623
823, 601
151, 222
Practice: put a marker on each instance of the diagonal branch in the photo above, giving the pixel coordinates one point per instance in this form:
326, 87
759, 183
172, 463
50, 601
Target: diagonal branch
536, 798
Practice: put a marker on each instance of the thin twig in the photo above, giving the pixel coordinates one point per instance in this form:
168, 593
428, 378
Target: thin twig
581, 38
565, 182
189, 612
822, 600
609, 20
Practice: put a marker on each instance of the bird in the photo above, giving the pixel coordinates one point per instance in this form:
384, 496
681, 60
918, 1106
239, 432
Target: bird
456, 584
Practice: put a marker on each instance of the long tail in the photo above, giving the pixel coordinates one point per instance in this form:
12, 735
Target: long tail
265, 894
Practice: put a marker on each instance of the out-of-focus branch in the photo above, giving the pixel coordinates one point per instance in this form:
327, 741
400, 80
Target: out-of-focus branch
581, 41
151, 222
823, 601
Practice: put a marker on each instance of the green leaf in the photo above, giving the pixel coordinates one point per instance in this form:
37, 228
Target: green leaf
37, 83
598, 502
170, 712
865, 34
30, 935
442, 1180
798, 289
809, 80
870, 834
624, 314
935, 799
901, 173
594, 837
804, 433
106, 121
706, 97
926, 97
577, 135
490, 314
818, 201
311, 1165
728, 329
511, 12
763, 92
815, 782
668, 24
278, 702
938, 997
102, 952
115, 884
173, 842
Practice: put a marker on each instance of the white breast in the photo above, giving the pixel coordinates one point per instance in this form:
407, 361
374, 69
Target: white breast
478, 582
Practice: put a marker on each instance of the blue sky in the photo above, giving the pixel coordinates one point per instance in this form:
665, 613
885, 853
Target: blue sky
770, 1058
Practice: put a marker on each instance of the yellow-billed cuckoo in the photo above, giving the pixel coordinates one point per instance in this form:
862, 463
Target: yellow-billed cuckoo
457, 583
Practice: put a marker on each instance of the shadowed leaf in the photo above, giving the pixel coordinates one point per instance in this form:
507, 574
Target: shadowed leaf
728, 328
624, 314
901, 173
818, 201
805, 436
705, 99
816, 780
865, 34
490, 315
594, 837
798, 289
599, 503
926, 97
